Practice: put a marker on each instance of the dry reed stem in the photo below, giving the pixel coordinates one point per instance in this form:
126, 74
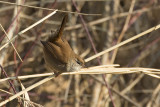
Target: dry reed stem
38, 2
102, 20
129, 87
126, 98
118, 93
22, 98
83, 71
42, 8
25, 95
11, 31
123, 43
67, 89
155, 93
11, 42
27, 89
133, 83
123, 31
89, 35
95, 70
86, 71
28, 28
151, 73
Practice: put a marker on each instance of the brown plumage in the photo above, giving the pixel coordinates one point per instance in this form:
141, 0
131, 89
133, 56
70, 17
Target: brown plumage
58, 54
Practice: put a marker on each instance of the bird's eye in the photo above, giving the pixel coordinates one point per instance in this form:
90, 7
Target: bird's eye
78, 61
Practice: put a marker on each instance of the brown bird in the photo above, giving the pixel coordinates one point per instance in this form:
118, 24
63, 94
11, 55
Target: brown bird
58, 54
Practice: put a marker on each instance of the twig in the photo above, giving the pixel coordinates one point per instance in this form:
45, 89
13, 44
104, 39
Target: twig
93, 46
129, 87
94, 70
27, 89
30, 27
42, 8
14, 90
11, 42
68, 88
102, 20
99, 71
123, 43
125, 27
118, 93
155, 92
22, 98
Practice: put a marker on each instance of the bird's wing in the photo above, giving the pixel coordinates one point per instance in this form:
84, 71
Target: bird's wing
55, 51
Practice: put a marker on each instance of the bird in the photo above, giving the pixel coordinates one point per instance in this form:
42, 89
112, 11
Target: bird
58, 54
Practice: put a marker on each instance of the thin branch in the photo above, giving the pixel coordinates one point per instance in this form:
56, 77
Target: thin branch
91, 71
14, 90
30, 27
26, 90
118, 93
11, 42
94, 70
107, 18
42, 8
38, 105
125, 27
123, 43
94, 48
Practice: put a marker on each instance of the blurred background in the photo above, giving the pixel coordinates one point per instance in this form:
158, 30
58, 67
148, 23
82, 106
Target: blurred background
114, 25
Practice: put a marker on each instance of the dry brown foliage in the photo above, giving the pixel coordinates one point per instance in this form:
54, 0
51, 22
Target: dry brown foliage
119, 40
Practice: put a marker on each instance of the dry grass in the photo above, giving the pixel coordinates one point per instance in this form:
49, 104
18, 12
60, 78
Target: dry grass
125, 41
